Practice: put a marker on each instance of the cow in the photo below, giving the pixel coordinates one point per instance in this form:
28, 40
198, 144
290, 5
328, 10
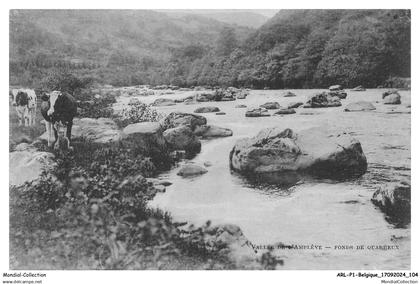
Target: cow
58, 109
25, 102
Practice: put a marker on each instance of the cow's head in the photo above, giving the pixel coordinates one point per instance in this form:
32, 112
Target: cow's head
52, 97
21, 99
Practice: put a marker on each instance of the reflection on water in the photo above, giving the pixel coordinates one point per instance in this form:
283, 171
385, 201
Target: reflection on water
292, 209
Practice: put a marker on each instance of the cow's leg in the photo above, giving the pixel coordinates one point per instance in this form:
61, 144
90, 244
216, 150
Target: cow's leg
68, 133
56, 145
31, 117
20, 116
26, 116
48, 128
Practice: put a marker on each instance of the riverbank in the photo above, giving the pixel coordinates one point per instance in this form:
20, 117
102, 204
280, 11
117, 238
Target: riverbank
88, 210
266, 213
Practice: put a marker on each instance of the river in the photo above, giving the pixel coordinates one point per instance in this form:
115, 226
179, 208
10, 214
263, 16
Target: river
314, 212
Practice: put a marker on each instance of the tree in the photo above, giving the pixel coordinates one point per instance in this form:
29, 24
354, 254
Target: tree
227, 41
64, 81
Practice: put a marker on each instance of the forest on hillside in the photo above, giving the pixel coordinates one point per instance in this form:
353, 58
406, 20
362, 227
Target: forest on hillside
294, 49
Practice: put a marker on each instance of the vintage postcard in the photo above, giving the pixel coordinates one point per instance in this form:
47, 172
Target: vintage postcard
210, 139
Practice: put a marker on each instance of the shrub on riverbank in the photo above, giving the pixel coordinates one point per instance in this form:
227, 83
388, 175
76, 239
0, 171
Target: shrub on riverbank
91, 213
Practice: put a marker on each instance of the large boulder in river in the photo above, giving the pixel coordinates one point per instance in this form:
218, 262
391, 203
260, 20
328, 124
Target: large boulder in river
294, 104
28, 165
271, 105
323, 99
391, 97
389, 92
340, 94
207, 109
359, 106
358, 89
176, 119
335, 88
147, 136
229, 240
212, 131
257, 112
182, 138
163, 102
284, 111
191, 170
395, 200
100, 130
241, 95
313, 151
289, 94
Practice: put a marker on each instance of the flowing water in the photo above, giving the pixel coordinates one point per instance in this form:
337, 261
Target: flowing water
313, 212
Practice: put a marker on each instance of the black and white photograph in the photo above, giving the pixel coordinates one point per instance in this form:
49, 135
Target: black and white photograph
209, 139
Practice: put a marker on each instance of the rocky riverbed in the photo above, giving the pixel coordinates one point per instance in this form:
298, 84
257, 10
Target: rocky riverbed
335, 214
315, 180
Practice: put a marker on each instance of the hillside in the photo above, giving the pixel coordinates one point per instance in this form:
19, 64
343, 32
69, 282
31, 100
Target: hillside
99, 39
317, 48
293, 49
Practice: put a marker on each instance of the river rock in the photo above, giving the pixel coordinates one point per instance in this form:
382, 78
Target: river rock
389, 92
147, 136
313, 151
335, 88
182, 138
394, 199
176, 119
26, 166
207, 109
241, 95
323, 99
212, 131
358, 89
163, 102
235, 245
205, 97
100, 130
271, 105
391, 97
227, 99
190, 102
257, 112
285, 111
191, 170
359, 106
340, 94
294, 104
25, 147
289, 94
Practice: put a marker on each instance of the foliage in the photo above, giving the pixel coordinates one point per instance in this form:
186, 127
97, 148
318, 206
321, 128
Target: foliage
91, 213
294, 49
137, 112
96, 106
63, 80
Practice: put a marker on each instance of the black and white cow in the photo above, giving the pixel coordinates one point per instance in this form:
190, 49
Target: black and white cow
58, 109
25, 102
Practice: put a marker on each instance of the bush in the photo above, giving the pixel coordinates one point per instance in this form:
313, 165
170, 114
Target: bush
63, 80
95, 106
91, 213
137, 112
